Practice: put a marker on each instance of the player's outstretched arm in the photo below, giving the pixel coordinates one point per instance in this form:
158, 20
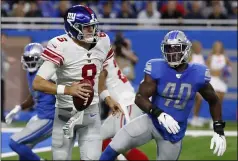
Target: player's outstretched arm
29, 102
218, 138
105, 95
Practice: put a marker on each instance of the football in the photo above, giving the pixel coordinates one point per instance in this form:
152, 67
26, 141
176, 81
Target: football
79, 103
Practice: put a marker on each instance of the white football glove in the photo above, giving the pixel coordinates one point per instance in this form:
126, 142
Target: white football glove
169, 123
68, 128
12, 113
220, 141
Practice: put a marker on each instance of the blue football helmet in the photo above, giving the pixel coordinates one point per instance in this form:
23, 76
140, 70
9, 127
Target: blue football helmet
31, 59
76, 19
176, 48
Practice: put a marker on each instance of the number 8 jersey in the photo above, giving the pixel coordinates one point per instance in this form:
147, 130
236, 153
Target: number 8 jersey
76, 63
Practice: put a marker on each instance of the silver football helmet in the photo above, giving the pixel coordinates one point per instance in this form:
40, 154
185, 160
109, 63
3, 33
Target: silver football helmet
31, 59
176, 48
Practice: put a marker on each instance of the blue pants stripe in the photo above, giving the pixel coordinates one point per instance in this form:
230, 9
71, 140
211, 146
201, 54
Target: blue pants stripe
48, 127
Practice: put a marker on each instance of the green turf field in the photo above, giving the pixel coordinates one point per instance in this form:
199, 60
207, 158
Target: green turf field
194, 148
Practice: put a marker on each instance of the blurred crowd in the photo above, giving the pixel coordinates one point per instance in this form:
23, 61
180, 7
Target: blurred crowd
124, 9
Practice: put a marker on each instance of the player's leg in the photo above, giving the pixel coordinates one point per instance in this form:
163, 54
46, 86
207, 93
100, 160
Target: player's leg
197, 106
35, 131
108, 128
61, 146
135, 154
113, 124
89, 139
135, 133
167, 150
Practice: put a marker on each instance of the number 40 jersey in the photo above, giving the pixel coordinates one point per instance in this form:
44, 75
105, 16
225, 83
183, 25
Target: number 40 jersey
75, 63
176, 91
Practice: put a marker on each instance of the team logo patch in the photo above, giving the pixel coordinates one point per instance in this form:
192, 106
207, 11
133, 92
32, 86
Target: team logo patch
71, 16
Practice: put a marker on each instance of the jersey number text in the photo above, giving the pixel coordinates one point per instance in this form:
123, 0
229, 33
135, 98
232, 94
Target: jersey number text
89, 72
182, 98
120, 75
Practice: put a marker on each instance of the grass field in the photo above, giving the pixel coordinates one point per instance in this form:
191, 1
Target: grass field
194, 148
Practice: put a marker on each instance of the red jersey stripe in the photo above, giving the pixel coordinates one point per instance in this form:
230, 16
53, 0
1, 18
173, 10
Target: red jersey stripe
53, 56
53, 52
50, 59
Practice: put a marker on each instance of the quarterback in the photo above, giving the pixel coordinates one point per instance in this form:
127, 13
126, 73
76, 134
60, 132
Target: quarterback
74, 56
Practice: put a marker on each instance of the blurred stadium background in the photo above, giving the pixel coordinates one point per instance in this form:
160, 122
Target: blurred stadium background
144, 24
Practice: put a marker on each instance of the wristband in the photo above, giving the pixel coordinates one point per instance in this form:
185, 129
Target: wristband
104, 94
60, 89
155, 111
17, 108
218, 127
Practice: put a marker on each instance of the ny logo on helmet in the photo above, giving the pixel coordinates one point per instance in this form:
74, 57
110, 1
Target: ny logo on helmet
71, 16
93, 18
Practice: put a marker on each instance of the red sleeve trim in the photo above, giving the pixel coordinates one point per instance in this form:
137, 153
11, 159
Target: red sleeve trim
109, 55
52, 56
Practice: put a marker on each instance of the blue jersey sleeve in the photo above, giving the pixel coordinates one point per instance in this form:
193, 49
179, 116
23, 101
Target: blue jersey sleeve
153, 68
204, 75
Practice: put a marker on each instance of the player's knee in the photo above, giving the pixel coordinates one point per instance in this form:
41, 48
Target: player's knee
120, 145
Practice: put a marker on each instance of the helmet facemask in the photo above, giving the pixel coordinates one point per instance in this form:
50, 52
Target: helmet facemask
31, 63
86, 37
176, 54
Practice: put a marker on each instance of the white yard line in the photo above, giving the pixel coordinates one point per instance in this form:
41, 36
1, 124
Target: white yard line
38, 150
193, 133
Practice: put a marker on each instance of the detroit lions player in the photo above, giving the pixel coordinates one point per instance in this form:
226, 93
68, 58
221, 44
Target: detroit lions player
40, 126
172, 83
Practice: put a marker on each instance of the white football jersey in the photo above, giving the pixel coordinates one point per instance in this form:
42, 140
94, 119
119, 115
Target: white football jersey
75, 63
117, 84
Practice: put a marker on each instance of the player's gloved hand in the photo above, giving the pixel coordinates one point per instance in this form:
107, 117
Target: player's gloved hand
114, 106
12, 113
68, 128
169, 123
218, 138
77, 89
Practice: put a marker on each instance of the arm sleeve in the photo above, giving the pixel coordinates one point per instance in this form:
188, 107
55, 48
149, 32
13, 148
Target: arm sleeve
47, 70
149, 69
53, 53
207, 77
110, 54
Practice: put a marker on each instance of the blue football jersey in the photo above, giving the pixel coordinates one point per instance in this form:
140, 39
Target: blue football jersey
44, 103
175, 92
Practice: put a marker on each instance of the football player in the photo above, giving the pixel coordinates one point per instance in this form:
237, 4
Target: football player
172, 82
114, 85
74, 56
40, 126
